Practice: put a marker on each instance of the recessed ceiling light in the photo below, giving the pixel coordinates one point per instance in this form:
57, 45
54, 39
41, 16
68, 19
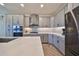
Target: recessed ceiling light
22, 5
42, 5
2, 4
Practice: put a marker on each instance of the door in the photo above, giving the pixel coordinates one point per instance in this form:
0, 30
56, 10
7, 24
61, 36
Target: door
71, 37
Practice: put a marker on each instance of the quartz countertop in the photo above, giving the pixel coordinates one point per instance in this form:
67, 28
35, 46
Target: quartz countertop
22, 46
58, 34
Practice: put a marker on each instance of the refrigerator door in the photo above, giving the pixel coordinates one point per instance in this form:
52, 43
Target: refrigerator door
71, 36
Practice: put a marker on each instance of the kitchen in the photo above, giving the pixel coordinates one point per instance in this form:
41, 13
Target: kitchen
34, 29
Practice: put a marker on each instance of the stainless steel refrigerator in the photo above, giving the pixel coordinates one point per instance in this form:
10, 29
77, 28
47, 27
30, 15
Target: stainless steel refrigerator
72, 32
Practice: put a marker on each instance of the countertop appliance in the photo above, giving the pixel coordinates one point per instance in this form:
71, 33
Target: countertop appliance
17, 30
72, 35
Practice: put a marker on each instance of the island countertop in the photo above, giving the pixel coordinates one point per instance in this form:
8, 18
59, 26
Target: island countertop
22, 46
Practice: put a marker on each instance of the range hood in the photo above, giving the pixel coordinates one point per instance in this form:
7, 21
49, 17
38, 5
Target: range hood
34, 20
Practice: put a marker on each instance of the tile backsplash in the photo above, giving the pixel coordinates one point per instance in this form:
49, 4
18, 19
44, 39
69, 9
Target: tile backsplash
54, 30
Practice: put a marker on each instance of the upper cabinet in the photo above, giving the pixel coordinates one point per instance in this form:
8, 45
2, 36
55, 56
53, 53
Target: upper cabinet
2, 25
51, 22
59, 19
17, 19
26, 21
44, 21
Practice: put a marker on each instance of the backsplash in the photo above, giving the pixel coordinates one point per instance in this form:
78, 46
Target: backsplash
54, 30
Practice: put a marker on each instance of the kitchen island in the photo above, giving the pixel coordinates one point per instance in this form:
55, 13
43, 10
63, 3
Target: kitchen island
22, 46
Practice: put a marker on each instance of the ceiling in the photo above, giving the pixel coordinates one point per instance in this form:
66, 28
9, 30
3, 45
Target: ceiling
29, 8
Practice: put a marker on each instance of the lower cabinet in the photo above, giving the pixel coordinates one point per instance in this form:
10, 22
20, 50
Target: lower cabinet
50, 39
62, 45
44, 38
58, 42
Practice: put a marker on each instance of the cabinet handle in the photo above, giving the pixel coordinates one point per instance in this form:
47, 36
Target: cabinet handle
57, 41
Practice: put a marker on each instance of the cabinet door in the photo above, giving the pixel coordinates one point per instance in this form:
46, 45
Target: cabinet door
21, 18
50, 38
46, 38
26, 21
9, 25
57, 41
62, 45
15, 19
18, 20
42, 37
53, 39
44, 22
59, 19
2, 25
